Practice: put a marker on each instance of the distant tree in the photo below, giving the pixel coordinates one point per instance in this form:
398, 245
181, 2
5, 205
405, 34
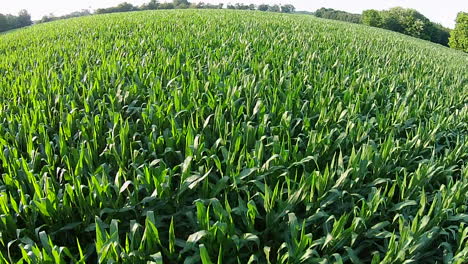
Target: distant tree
3, 23
151, 5
166, 6
178, 3
330, 13
263, 7
438, 34
406, 21
12, 22
51, 17
274, 8
182, 6
241, 6
8, 21
199, 5
288, 8
83, 12
24, 19
391, 21
302, 12
47, 18
372, 18
459, 36
123, 7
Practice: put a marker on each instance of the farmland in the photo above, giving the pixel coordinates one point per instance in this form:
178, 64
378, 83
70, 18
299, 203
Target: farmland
202, 136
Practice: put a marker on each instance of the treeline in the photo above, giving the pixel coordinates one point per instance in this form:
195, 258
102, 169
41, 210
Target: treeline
407, 21
459, 36
330, 13
9, 22
264, 7
51, 17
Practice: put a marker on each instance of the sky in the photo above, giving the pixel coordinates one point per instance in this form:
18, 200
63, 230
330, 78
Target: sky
443, 12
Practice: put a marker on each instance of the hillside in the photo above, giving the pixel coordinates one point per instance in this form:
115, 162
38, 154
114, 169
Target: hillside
216, 136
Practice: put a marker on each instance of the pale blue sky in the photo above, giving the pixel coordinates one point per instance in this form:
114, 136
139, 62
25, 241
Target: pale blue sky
443, 12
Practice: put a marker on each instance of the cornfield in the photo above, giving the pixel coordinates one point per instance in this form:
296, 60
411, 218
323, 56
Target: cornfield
202, 136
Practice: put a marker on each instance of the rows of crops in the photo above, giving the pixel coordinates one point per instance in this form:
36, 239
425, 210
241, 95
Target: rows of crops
230, 137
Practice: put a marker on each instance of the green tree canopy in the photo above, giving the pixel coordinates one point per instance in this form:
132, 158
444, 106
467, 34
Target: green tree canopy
151, 5
263, 7
459, 36
24, 18
330, 13
181, 2
372, 18
288, 8
8, 22
274, 8
3, 23
123, 7
406, 21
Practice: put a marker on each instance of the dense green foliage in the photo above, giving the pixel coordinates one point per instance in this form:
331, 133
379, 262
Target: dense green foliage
459, 36
52, 17
407, 21
288, 8
257, 137
241, 6
122, 7
9, 22
330, 13
372, 18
